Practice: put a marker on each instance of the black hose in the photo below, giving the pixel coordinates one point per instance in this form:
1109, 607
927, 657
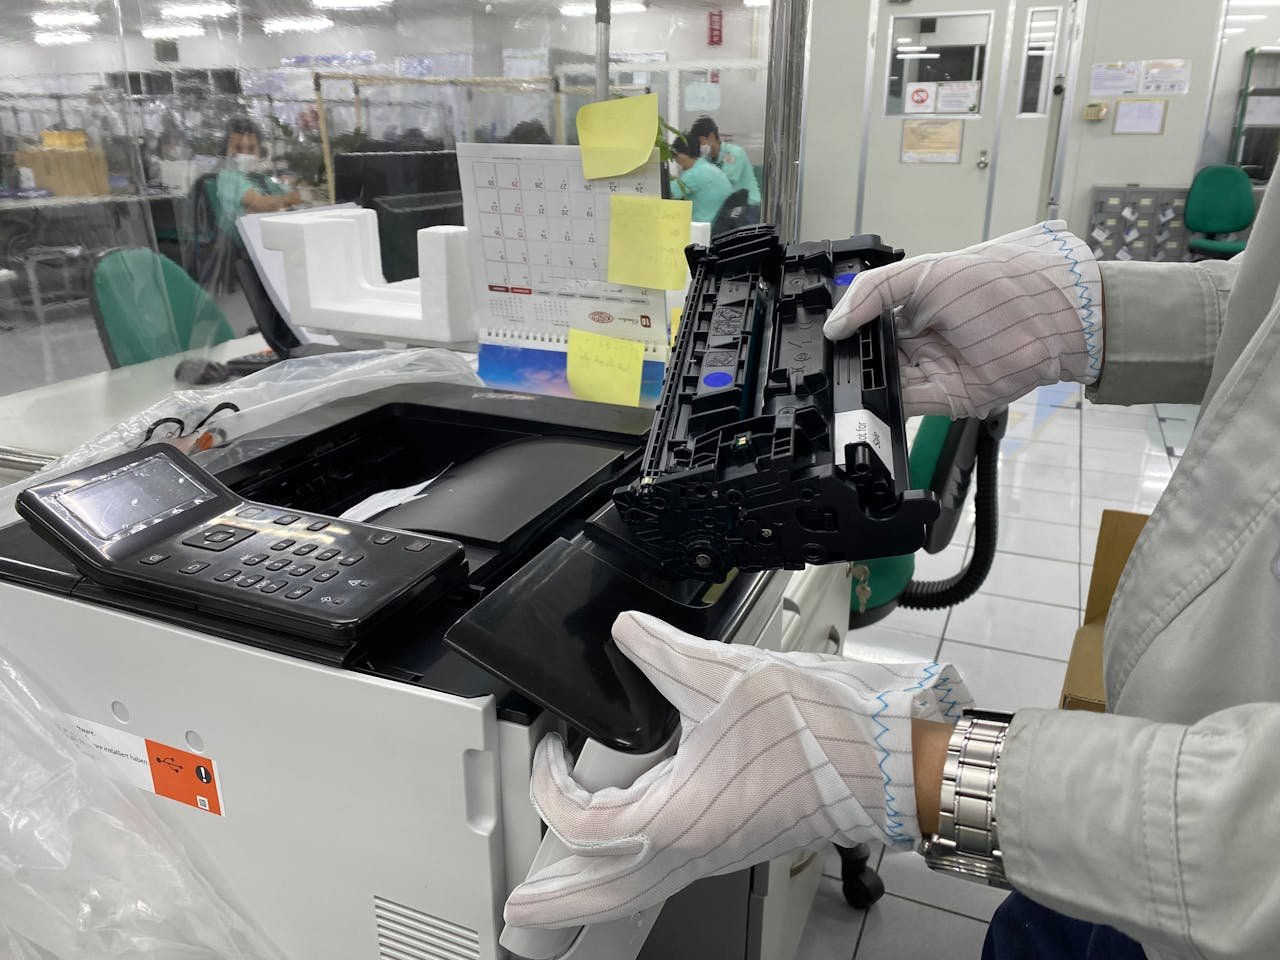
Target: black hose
936, 594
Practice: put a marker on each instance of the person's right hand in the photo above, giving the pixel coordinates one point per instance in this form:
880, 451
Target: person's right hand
291, 199
980, 327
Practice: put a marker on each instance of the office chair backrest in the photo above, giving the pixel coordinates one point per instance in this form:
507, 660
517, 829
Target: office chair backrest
271, 325
145, 306
732, 215
1220, 201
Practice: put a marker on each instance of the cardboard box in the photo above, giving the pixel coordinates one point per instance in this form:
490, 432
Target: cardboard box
1082, 688
67, 173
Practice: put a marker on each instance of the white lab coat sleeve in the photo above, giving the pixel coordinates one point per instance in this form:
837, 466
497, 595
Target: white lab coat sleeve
1162, 322
1165, 832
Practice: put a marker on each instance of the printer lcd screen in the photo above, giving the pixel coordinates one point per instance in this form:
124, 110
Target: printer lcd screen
144, 491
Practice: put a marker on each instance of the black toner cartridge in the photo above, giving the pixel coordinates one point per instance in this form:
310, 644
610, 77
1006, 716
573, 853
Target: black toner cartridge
772, 446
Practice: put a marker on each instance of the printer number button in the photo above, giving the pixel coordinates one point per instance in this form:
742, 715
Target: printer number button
417, 546
279, 564
325, 575
194, 566
318, 525
253, 559
226, 575
152, 559
287, 518
283, 544
297, 593
249, 512
303, 550
327, 554
301, 569
351, 560
247, 579
271, 586
383, 538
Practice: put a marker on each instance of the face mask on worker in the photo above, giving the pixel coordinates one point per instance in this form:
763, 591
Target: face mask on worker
705, 150
247, 162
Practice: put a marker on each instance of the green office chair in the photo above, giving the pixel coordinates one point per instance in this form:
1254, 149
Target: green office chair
1220, 201
146, 306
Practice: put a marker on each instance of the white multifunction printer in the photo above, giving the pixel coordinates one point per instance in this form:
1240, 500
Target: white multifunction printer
356, 705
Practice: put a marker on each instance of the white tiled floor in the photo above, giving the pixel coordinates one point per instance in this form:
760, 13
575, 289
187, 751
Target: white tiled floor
1061, 466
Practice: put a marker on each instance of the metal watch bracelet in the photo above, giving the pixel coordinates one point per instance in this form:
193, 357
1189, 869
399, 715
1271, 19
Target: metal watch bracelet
967, 842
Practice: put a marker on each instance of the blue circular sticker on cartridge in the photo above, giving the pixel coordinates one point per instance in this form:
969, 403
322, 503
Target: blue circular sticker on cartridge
844, 279
718, 379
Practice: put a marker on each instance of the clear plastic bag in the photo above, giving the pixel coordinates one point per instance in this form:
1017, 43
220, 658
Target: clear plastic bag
267, 397
87, 871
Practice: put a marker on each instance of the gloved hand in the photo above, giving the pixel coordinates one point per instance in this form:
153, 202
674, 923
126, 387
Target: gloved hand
982, 326
777, 752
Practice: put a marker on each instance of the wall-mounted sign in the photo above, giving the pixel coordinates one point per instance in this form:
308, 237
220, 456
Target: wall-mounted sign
1165, 76
1142, 117
959, 96
920, 98
1115, 79
715, 28
931, 141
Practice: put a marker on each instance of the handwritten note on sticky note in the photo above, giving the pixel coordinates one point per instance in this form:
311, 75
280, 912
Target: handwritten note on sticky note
605, 369
647, 237
616, 136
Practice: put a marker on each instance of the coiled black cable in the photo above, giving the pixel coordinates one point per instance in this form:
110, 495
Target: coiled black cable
936, 594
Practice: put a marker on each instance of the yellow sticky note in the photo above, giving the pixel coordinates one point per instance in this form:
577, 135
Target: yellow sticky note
605, 369
647, 237
616, 136
676, 314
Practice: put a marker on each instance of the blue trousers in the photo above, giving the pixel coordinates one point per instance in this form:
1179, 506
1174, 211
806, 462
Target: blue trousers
1021, 929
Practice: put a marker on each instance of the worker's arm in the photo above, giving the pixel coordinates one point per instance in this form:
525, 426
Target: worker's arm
1162, 326
1165, 832
257, 202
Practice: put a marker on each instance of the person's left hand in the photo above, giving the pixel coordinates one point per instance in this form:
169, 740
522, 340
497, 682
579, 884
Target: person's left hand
777, 752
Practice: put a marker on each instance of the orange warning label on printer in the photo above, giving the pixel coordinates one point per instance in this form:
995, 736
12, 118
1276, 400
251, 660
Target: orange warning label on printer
184, 777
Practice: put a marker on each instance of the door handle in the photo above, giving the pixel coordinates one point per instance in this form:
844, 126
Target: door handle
984, 159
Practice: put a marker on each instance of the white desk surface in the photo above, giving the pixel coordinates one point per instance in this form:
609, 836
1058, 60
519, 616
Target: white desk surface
58, 417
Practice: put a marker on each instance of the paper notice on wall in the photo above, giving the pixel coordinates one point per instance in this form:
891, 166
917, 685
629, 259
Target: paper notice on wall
932, 141
1143, 117
1166, 77
148, 765
1115, 79
920, 98
959, 96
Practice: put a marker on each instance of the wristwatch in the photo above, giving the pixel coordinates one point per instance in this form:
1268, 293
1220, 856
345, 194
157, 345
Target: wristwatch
967, 843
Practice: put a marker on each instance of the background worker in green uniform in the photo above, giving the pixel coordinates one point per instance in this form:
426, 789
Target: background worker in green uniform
699, 180
729, 157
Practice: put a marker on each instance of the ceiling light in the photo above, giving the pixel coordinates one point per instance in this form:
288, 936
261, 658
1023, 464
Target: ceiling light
1245, 17
755, 3
172, 31
1241, 4
1045, 35
905, 40
197, 11
919, 56
296, 24
617, 6
1232, 31
60, 38
911, 49
64, 18
349, 4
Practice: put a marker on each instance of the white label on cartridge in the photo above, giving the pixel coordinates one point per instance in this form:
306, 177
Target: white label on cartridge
863, 426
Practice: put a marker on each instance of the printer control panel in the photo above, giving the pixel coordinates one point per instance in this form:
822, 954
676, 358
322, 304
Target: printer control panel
152, 522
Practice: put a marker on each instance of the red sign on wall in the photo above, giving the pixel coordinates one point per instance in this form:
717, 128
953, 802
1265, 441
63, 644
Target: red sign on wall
715, 28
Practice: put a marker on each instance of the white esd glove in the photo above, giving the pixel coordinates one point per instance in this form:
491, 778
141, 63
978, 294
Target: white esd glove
777, 752
982, 326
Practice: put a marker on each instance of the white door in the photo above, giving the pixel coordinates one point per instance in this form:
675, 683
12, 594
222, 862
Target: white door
947, 153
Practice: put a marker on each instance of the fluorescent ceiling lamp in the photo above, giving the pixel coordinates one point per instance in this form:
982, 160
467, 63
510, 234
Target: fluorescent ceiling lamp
60, 38
912, 49
1048, 35
172, 31
589, 9
64, 18
755, 3
296, 24
197, 11
1245, 17
349, 4
906, 40
1232, 31
919, 56
1242, 4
